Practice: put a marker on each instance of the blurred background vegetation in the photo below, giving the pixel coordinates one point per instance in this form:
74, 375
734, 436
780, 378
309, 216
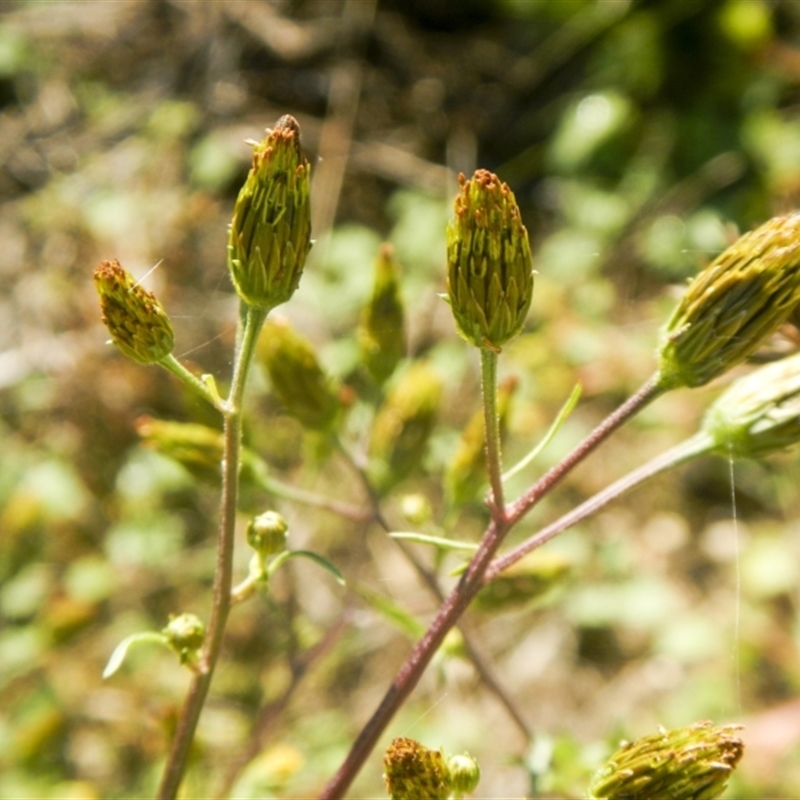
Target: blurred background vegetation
637, 136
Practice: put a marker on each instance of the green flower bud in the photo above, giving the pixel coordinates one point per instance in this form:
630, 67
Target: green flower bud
185, 635
465, 774
196, 447
270, 234
267, 534
758, 414
691, 763
416, 508
733, 305
413, 772
466, 473
138, 324
403, 425
298, 380
381, 333
489, 274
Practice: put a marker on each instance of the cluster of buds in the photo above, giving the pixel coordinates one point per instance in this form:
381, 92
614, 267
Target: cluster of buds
137, 322
413, 771
733, 305
758, 414
489, 272
402, 427
270, 234
691, 763
381, 332
297, 378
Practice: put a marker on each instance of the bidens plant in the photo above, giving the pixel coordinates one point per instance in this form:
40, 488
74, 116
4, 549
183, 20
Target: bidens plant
728, 311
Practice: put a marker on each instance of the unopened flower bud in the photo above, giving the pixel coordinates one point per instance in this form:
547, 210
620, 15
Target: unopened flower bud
416, 508
759, 413
197, 448
298, 380
138, 324
403, 425
691, 763
465, 774
381, 334
185, 635
267, 534
270, 234
413, 772
489, 272
528, 579
733, 305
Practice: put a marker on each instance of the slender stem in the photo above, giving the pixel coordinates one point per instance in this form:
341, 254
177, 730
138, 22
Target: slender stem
685, 451
466, 589
251, 321
171, 364
491, 422
649, 391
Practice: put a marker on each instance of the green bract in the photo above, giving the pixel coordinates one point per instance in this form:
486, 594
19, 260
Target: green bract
733, 305
270, 234
758, 414
138, 324
489, 274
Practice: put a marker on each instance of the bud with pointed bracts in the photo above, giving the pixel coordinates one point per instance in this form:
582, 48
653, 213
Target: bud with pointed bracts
137, 322
733, 305
413, 771
270, 234
692, 763
489, 273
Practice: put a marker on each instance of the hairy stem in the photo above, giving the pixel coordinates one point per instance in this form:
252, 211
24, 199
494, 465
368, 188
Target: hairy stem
250, 324
466, 589
491, 422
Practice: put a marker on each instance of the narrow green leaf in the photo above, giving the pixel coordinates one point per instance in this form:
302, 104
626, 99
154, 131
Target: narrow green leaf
278, 561
436, 541
560, 419
121, 650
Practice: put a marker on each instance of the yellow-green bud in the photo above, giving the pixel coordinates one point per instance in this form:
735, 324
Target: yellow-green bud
298, 380
733, 305
691, 763
267, 534
270, 234
759, 413
416, 508
138, 324
196, 447
489, 272
185, 635
403, 425
381, 334
413, 772
465, 774
466, 473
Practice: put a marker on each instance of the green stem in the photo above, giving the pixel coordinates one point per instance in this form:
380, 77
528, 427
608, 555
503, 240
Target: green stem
491, 422
251, 321
171, 364
697, 445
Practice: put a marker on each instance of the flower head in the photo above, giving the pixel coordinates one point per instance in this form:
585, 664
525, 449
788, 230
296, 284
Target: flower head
759, 413
413, 772
733, 305
270, 234
489, 273
137, 322
691, 763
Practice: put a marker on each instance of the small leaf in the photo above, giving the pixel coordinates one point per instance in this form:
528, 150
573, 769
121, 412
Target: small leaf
436, 541
121, 650
560, 419
315, 557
